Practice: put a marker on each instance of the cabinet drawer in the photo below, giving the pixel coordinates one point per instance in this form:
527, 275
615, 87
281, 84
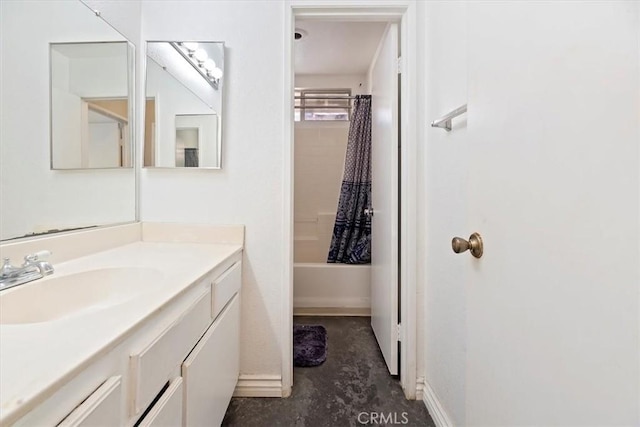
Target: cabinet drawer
152, 367
101, 408
211, 371
167, 412
224, 287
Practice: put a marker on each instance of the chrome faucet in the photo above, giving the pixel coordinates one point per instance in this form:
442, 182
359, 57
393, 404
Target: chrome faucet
34, 267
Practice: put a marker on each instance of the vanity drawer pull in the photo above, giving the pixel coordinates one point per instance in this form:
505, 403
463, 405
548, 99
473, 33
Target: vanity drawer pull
152, 367
225, 287
167, 411
101, 408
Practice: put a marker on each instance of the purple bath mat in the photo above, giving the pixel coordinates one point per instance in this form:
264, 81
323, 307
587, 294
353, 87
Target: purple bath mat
309, 345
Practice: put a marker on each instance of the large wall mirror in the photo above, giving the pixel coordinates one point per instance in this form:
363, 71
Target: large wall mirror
90, 109
183, 111
66, 104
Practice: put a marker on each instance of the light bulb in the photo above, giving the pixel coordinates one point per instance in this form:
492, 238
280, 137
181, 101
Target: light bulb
190, 46
216, 73
209, 65
201, 55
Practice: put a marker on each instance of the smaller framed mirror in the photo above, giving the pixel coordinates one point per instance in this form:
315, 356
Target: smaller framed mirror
183, 111
91, 108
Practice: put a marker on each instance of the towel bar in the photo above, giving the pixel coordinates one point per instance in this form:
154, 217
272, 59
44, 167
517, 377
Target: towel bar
444, 122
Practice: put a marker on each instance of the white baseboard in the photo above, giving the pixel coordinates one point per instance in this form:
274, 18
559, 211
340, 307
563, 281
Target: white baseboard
425, 393
259, 386
332, 311
337, 301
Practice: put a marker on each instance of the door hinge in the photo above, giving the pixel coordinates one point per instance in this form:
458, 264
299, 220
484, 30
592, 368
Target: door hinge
400, 332
400, 67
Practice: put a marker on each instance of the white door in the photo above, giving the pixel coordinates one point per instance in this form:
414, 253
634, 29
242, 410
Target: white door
384, 196
553, 140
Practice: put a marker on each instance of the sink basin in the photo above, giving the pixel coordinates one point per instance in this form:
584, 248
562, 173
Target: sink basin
56, 297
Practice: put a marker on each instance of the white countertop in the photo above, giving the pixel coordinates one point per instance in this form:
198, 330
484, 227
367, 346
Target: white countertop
37, 358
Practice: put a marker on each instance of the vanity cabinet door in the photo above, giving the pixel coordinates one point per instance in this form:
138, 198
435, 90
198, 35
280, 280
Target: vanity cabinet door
101, 408
211, 371
154, 365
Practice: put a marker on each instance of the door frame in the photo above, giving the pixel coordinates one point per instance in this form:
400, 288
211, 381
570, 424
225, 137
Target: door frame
404, 13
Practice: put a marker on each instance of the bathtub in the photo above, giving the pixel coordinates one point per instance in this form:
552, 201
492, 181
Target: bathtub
331, 289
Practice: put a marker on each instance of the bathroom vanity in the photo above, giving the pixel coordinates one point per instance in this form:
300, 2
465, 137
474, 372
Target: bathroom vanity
143, 329
140, 322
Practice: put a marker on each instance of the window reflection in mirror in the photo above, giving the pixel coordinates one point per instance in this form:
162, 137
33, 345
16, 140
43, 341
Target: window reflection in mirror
183, 107
90, 105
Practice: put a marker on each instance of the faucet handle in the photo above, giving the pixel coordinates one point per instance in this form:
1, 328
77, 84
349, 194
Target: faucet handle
6, 267
36, 256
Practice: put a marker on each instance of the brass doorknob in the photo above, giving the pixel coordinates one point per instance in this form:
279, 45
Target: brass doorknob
460, 245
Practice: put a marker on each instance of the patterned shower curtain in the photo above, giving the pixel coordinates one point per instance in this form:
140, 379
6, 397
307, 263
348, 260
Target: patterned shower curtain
351, 241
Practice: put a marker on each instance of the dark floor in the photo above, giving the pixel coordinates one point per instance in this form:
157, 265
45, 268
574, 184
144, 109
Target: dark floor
352, 388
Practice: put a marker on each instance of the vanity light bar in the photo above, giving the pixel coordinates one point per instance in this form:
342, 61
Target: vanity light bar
199, 60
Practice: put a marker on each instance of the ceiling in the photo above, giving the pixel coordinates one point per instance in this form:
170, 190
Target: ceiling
336, 47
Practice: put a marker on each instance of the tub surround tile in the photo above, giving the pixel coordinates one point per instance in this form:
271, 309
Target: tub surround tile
307, 250
312, 237
332, 286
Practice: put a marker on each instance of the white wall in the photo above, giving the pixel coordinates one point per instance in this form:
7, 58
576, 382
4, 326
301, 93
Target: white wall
33, 196
123, 15
248, 190
104, 77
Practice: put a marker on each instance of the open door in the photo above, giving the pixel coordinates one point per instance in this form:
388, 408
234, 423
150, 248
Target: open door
384, 196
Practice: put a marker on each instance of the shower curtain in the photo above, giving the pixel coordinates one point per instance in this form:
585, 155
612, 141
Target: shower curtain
351, 241
190, 157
